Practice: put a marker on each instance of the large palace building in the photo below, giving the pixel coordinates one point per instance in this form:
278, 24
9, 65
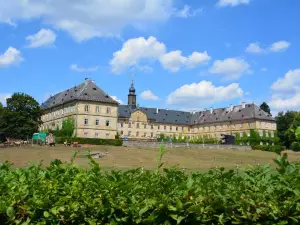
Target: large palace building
97, 115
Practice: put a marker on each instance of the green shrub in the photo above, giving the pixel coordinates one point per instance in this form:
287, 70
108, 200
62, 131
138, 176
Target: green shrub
295, 146
65, 194
269, 148
91, 141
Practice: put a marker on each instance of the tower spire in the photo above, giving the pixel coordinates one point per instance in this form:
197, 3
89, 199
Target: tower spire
132, 95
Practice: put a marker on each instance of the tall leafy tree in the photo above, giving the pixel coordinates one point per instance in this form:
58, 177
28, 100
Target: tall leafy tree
284, 122
265, 107
21, 117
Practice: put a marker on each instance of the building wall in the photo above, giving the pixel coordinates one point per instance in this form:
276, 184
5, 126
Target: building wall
92, 119
138, 125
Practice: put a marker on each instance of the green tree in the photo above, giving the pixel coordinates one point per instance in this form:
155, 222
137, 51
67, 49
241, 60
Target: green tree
284, 122
264, 106
21, 117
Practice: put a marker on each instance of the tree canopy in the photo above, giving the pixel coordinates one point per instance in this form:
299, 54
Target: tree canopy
287, 126
21, 117
265, 107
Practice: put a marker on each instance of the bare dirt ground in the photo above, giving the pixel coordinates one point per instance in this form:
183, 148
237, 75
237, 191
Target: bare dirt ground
129, 157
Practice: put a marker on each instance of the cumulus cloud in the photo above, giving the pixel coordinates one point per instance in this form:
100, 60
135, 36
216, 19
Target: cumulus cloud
264, 69
279, 46
3, 98
116, 99
76, 68
136, 50
93, 18
204, 92
44, 37
286, 92
10, 57
290, 82
230, 68
232, 3
148, 95
254, 48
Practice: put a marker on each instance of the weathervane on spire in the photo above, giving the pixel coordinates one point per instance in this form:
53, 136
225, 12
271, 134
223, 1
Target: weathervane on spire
132, 77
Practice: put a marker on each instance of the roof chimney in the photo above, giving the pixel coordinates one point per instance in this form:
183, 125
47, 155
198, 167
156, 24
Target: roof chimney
243, 105
231, 108
156, 110
211, 110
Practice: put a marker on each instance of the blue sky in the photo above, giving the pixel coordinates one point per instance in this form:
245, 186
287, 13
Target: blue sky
184, 54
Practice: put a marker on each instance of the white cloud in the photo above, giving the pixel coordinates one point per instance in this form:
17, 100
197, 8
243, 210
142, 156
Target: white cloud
230, 68
254, 48
44, 37
187, 12
290, 82
232, 3
203, 92
280, 46
136, 50
286, 92
3, 98
148, 95
116, 99
285, 103
12, 56
76, 68
91, 18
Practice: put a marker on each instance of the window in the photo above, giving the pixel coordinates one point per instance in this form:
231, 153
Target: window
158, 127
176, 128
85, 134
121, 124
248, 124
267, 134
266, 125
107, 110
86, 108
137, 125
137, 134
97, 109
261, 133
138, 118
241, 125
170, 128
129, 125
145, 134
272, 134
165, 127
97, 122
96, 135
145, 126
241, 134
129, 133
189, 129
122, 132
107, 135
107, 123
151, 134
86, 122
151, 126
248, 134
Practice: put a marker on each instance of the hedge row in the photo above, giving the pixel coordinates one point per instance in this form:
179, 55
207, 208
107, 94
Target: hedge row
269, 148
91, 141
66, 194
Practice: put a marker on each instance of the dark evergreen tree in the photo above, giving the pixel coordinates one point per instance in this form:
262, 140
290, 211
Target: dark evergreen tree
264, 106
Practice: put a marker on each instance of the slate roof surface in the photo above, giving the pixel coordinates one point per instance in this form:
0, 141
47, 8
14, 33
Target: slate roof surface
87, 91
251, 111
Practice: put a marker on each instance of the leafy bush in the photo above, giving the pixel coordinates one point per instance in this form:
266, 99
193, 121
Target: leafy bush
91, 141
269, 148
66, 194
295, 146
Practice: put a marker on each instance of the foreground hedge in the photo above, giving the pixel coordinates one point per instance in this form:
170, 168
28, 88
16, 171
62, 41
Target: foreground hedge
270, 148
66, 194
91, 141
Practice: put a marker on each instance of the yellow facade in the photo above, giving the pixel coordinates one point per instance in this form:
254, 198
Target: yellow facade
92, 119
139, 127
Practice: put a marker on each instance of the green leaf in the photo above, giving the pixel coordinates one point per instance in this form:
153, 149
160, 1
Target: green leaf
189, 183
177, 218
172, 208
10, 212
46, 214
